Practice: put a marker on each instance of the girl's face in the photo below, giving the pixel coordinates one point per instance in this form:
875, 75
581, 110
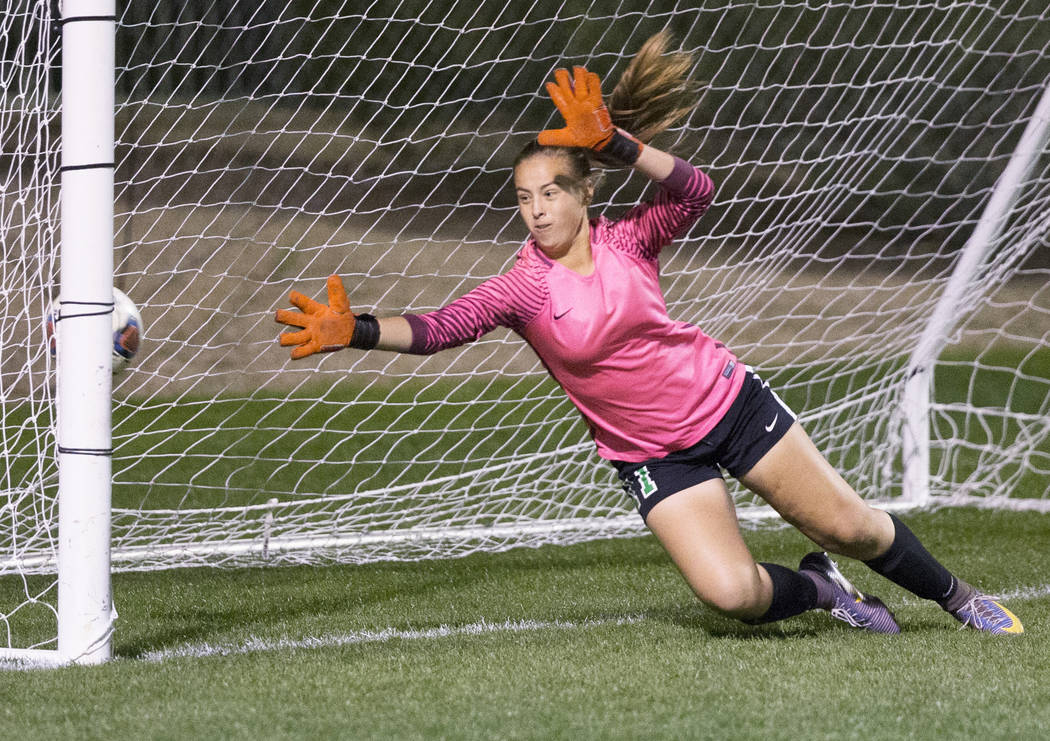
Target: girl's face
555, 214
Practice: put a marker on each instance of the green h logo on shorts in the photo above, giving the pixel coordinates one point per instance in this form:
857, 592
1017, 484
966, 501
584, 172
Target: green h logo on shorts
646, 485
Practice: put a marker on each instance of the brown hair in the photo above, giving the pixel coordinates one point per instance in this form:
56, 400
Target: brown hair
654, 92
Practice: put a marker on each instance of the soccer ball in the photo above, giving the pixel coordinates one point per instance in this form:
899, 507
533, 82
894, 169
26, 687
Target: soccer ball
127, 330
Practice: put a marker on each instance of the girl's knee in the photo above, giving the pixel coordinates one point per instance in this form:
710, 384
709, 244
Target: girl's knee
740, 596
862, 537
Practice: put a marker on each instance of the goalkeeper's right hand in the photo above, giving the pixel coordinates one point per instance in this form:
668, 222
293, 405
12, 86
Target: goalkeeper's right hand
324, 328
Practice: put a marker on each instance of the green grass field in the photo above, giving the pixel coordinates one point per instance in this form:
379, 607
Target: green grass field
355, 436
601, 640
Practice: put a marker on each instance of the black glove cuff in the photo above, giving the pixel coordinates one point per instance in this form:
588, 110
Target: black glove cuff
366, 332
620, 150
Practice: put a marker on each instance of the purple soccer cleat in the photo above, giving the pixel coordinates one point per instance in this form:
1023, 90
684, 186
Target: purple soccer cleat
843, 600
984, 613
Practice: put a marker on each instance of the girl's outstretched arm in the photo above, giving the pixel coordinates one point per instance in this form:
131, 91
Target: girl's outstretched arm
395, 334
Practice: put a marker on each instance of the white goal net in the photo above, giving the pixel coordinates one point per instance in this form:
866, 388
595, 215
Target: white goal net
262, 146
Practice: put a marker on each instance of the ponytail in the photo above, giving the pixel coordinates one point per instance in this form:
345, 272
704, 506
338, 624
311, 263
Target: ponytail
654, 92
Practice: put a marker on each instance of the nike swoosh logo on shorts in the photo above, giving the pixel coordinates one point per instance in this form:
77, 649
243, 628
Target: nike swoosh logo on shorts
559, 316
771, 425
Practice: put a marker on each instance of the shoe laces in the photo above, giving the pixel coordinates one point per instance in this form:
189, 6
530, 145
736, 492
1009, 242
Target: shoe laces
979, 609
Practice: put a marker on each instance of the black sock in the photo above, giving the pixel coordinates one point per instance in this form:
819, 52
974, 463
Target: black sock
908, 564
793, 593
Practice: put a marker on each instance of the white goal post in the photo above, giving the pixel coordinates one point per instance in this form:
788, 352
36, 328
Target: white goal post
956, 297
877, 248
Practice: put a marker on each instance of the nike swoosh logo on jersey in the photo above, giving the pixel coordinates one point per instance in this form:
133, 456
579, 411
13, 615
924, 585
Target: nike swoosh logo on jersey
771, 425
559, 316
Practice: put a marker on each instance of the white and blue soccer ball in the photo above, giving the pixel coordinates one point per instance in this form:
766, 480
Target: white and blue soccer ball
127, 330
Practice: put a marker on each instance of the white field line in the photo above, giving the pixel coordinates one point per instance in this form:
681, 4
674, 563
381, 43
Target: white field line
255, 645
1021, 594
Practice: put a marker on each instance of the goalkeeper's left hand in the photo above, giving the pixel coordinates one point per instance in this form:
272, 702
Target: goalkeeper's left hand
587, 120
324, 328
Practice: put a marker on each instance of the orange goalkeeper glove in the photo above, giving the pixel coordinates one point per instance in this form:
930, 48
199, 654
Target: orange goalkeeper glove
324, 328
587, 120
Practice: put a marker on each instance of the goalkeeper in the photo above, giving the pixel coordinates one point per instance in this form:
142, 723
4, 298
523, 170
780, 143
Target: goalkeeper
667, 405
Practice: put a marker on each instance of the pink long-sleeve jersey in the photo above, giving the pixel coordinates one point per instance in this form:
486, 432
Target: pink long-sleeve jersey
646, 385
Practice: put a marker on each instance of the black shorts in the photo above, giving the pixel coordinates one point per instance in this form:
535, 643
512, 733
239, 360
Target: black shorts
755, 422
